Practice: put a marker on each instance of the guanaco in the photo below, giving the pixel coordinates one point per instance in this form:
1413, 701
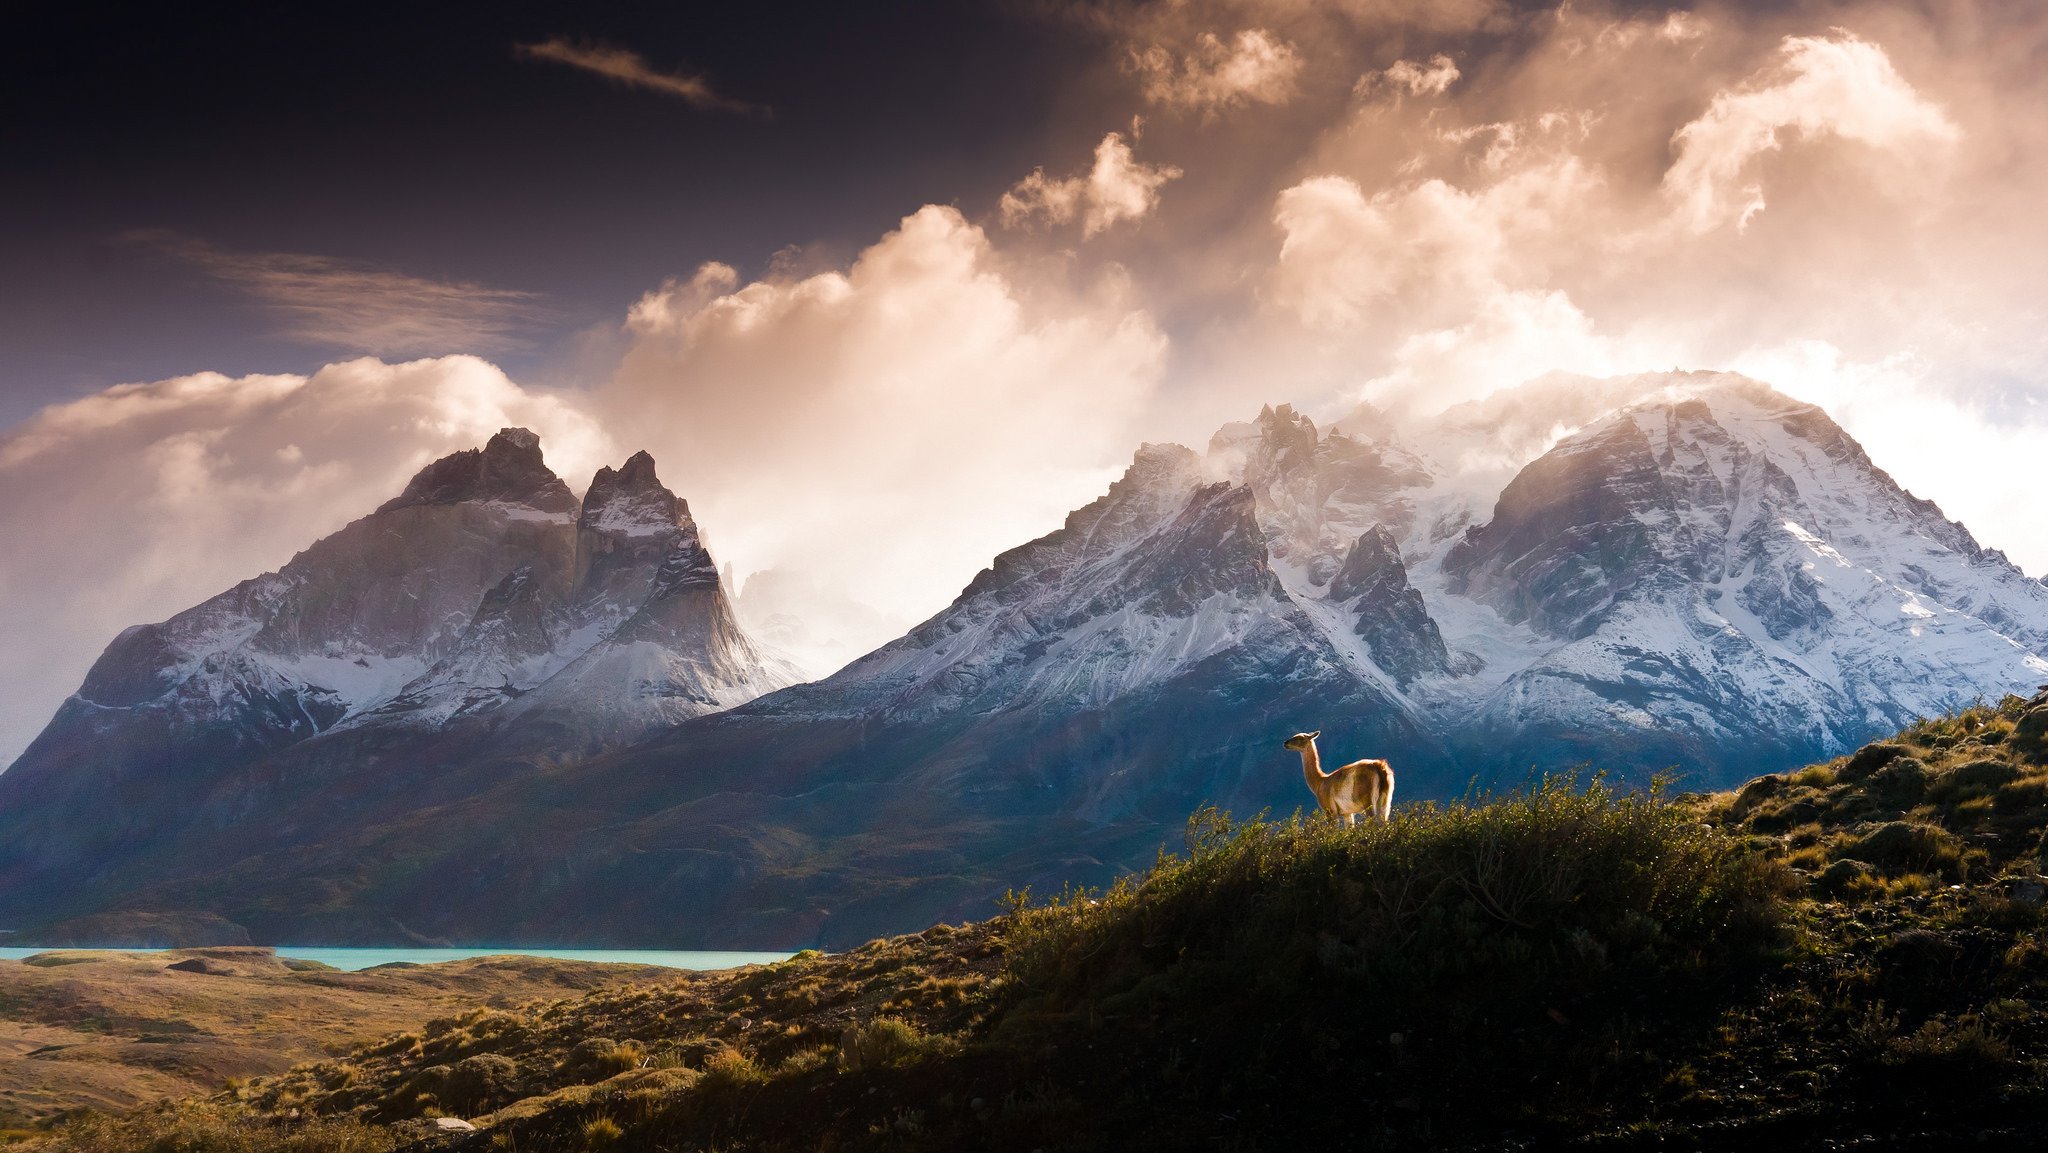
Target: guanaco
1359, 787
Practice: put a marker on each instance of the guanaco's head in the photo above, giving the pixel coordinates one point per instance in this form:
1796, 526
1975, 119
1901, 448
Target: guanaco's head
1300, 741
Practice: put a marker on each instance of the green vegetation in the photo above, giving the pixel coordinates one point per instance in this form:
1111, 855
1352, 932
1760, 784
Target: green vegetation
1858, 948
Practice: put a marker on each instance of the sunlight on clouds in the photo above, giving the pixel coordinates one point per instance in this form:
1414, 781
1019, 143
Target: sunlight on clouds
1427, 249
630, 70
358, 308
1117, 188
1432, 79
1834, 85
1214, 75
886, 430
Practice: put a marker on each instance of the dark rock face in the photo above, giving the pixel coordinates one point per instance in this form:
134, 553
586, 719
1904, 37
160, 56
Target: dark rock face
1564, 540
508, 469
628, 525
1392, 618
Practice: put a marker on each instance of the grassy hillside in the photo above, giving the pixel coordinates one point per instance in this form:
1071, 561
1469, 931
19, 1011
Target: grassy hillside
117, 1030
1857, 950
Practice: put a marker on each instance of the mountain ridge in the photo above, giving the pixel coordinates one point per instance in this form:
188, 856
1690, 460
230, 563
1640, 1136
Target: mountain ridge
1708, 575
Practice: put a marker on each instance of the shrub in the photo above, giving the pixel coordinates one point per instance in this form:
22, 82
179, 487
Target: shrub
1869, 759
601, 1132
1840, 877
1900, 847
730, 1069
2030, 733
1978, 777
1754, 794
597, 1058
2027, 795
476, 1084
882, 1043
196, 1128
1901, 782
1458, 923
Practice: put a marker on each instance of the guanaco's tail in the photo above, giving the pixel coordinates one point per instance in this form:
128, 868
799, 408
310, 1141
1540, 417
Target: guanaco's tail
1386, 805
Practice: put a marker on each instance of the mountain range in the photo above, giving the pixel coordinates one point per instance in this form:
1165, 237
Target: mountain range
491, 712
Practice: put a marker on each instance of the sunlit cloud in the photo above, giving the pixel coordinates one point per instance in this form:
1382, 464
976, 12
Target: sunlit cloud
1821, 85
1214, 75
1117, 188
629, 68
1432, 79
885, 429
359, 308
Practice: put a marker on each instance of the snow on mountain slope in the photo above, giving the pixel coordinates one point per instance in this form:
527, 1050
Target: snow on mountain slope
1729, 566
1162, 572
1683, 565
483, 581
637, 633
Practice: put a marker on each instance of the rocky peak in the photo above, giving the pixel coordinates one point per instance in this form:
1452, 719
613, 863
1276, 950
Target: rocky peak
1316, 493
1373, 562
1391, 616
631, 501
508, 470
1157, 483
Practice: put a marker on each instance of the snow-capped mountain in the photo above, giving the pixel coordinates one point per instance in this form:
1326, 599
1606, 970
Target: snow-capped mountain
1683, 570
1707, 574
634, 633
482, 594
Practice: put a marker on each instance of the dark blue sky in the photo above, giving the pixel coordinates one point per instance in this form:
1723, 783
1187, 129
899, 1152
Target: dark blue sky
412, 138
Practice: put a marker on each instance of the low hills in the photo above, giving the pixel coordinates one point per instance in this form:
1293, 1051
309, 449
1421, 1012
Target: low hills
1853, 952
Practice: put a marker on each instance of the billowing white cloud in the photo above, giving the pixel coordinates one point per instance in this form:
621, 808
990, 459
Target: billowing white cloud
1427, 249
887, 429
1254, 67
129, 505
1117, 188
1836, 85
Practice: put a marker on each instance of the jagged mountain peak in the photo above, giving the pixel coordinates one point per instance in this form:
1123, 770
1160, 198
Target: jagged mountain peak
508, 469
632, 501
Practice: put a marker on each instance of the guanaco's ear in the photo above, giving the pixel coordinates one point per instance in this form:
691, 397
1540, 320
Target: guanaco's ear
1314, 735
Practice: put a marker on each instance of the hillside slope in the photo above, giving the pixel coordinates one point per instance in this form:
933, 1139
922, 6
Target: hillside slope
1856, 953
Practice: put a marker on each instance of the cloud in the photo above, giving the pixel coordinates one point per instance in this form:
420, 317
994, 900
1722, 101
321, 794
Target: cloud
1432, 79
1117, 188
1423, 252
134, 503
359, 308
630, 69
886, 429
1835, 85
1213, 76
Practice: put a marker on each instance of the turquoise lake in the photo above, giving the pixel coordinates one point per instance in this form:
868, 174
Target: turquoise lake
356, 959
